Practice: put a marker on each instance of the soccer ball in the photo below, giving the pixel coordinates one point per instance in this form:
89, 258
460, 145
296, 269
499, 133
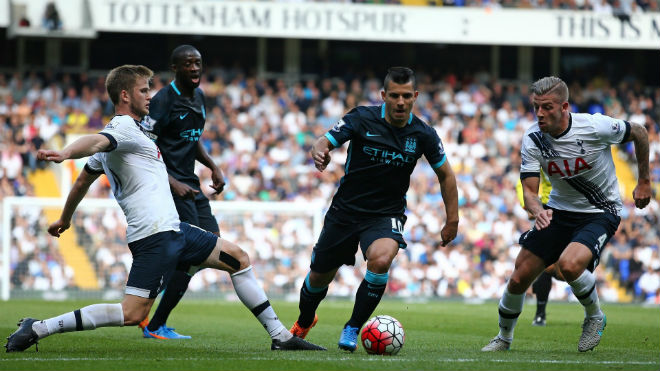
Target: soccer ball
383, 335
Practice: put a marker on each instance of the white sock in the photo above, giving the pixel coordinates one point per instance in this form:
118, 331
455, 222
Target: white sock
87, 318
509, 309
253, 296
584, 288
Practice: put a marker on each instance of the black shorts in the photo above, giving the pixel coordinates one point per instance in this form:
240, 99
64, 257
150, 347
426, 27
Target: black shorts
155, 257
342, 232
196, 212
593, 230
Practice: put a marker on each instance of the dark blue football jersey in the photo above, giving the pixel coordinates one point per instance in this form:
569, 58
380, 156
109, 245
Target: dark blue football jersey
176, 123
380, 160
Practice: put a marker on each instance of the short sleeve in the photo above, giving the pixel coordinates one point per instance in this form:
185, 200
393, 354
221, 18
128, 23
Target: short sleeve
611, 130
434, 151
121, 133
344, 129
530, 165
94, 164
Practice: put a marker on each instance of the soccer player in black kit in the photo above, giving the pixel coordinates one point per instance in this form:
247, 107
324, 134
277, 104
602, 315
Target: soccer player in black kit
368, 209
176, 122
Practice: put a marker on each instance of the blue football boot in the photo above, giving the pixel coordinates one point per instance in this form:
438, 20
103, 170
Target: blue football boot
348, 339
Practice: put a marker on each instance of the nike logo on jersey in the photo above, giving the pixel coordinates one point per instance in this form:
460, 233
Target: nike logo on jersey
184, 116
372, 135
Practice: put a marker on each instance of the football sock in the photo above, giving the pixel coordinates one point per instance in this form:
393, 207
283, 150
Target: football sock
254, 298
541, 288
310, 298
174, 291
584, 288
509, 309
367, 297
87, 318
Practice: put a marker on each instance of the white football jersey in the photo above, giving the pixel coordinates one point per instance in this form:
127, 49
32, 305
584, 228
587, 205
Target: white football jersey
138, 178
578, 163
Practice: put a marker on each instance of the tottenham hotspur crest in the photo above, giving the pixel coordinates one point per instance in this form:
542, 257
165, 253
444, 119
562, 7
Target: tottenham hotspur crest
411, 145
579, 143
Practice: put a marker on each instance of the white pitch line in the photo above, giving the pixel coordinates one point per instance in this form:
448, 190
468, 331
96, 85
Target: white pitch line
335, 359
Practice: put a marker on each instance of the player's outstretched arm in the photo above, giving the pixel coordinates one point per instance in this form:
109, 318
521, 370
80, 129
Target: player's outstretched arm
78, 191
83, 147
447, 180
217, 177
320, 152
642, 192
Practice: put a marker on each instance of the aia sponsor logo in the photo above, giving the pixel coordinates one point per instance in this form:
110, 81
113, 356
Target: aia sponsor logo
567, 168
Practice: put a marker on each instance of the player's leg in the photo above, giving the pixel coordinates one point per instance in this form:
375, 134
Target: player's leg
527, 267
127, 313
195, 212
577, 263
540, 248
335, 247
573, 265
379, 257
541, 288
229, 257
312, 292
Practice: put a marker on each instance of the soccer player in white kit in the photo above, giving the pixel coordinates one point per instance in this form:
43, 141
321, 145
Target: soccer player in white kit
573, 149
157, 239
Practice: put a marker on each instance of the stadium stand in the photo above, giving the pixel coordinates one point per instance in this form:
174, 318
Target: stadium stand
260, 131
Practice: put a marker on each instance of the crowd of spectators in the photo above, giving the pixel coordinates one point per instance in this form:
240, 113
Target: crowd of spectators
620, 8
260, 131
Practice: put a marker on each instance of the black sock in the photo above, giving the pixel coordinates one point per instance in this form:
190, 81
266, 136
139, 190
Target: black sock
176, 287
310, 298
366, 300
541, 288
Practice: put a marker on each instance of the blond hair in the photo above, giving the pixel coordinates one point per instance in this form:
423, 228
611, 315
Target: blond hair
551, 85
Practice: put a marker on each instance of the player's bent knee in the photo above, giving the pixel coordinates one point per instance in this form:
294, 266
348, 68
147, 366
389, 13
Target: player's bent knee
570, 269
380, 264
133, 316
232, 256
517, 285
135, 309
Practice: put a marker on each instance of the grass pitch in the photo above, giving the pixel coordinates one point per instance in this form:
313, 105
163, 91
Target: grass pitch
440, 335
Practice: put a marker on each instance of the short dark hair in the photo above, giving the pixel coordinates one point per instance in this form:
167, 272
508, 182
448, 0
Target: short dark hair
124, 78
400, 75
180, 52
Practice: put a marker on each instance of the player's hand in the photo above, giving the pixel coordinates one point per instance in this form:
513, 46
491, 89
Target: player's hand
448, 233
183, 190
58, 227
218, 179
543, 219
321, 158
50, 155
642, 193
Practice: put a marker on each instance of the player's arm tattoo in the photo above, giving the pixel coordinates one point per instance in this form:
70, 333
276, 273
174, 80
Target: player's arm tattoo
640, 137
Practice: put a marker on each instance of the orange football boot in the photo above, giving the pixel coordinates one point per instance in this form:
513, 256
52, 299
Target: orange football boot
301, 332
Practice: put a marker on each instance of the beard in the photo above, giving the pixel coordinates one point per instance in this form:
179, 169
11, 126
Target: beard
139, 111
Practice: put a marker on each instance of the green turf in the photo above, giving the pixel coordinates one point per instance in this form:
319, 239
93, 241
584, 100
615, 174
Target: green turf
444, 335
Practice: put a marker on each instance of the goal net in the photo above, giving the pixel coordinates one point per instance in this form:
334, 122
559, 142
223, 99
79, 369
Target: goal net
92, 259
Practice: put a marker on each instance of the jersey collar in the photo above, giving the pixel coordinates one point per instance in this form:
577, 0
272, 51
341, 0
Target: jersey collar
382, 114
570, 123
176, 90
